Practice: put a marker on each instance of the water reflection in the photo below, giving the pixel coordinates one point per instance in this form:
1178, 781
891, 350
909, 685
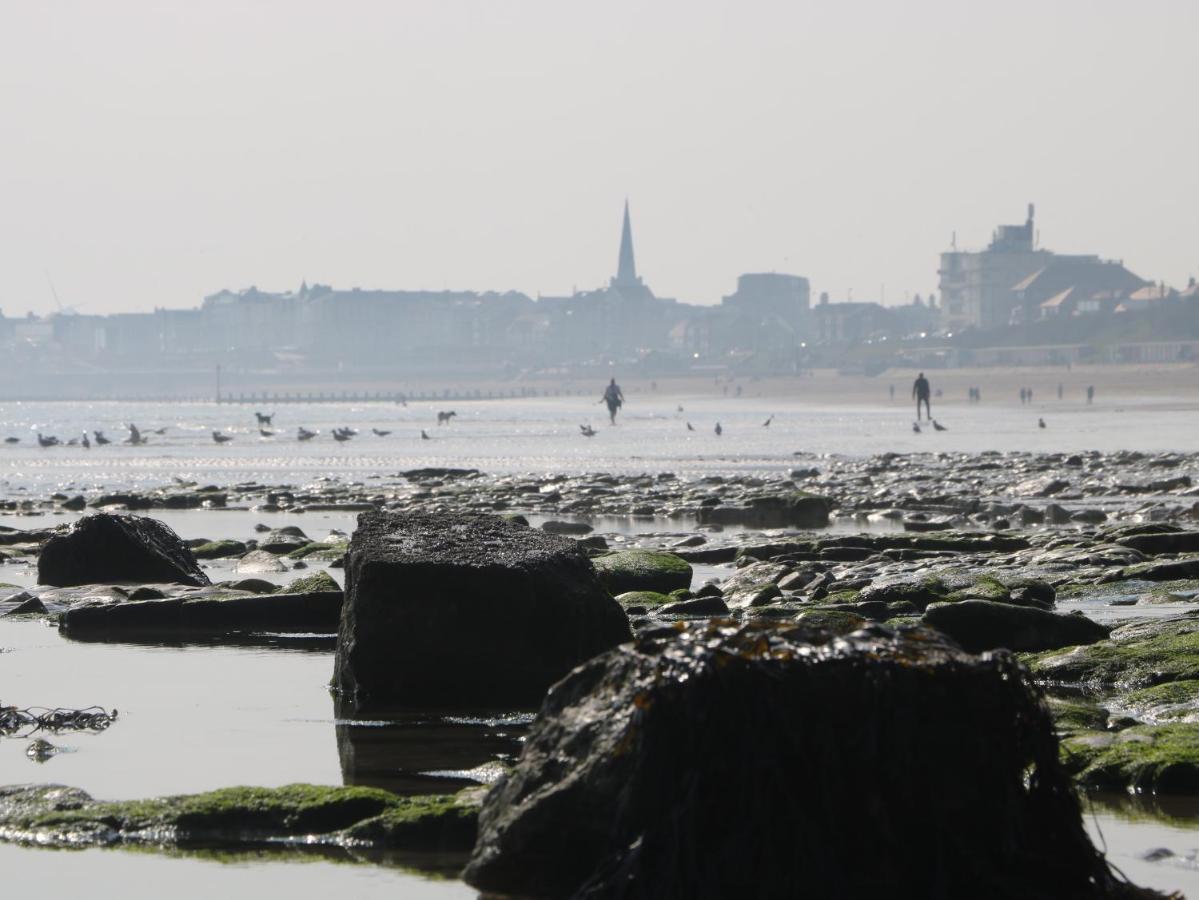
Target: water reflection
425, 751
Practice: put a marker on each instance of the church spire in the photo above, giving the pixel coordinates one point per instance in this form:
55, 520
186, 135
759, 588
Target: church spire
626, 270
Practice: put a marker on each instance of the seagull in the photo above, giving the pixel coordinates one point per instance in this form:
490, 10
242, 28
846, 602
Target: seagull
1040, 423
690, 427
162, 430
135, 436
87, 445
46, 441
379, 432
265, 433
12, 440
938, 426
303, 434
769, 419
916, 427
101, 440
719, 430
221, 438
341, 434
424, 435
587, 430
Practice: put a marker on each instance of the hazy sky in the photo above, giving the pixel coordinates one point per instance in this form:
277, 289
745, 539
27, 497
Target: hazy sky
154, 152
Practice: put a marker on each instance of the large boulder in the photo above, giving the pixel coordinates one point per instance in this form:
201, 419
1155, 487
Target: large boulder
107, 548
755, 761
467, 609
985, 625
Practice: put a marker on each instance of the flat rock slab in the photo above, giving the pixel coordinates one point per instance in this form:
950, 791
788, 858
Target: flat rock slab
107, 547
298, 814
467, 609
318, 611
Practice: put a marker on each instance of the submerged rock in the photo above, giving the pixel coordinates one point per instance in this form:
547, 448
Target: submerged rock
467, 609
304, 814
756, 761
107, 547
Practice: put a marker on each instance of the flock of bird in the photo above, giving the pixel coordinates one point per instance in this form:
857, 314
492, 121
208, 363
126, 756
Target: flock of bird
265, 429
341, 435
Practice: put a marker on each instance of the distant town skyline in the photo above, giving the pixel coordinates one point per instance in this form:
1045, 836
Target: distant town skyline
157, 153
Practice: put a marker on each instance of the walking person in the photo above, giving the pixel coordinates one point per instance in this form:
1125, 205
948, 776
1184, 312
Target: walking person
614, 400
922, 392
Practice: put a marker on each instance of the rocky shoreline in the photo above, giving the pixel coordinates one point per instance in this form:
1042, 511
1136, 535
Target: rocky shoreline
1087, 566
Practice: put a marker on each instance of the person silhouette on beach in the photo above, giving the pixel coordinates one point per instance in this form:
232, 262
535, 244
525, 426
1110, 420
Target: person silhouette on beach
614, 400
922, 392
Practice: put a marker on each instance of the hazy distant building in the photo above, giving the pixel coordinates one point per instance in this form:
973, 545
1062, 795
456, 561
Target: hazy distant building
771, 295
624, 318
976, 286
1063, 282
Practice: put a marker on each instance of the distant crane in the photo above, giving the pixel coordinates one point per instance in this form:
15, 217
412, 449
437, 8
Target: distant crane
62, 310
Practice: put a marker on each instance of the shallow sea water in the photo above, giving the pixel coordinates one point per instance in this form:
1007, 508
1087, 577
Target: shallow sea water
199, 717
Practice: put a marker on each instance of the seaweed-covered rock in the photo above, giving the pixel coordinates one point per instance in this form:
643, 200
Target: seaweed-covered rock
222, 549
467, 609
1156, 758
882, 762
54, 815
107, 547
984, 625
1143, 654
642, 570
314, 583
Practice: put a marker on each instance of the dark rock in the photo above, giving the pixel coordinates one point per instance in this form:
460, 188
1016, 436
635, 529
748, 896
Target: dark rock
699, 606
181, 617
284, 540
555, 527
797, 510
75, 504
1170, 542
103, 548
219, 549
27, 605
470, 609
984, 625
944, 765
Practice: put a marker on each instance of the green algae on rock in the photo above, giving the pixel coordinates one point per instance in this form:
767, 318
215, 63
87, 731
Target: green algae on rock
642, 570
317, 581
1142, 654
1156, 758
54, 815
222, 549
833, 620
643, 598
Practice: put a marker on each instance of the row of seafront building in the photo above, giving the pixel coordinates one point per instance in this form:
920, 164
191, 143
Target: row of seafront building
1011, 293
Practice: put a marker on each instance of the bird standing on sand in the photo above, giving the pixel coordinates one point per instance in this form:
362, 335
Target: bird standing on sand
87, 445
916, 427
690, 427
12, 440
221, 438
1040, 423
135, 436
266, 432
769, 419
424, 435
938, 426
379, 432
303, 434
587, 431
101, 440
719, 431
